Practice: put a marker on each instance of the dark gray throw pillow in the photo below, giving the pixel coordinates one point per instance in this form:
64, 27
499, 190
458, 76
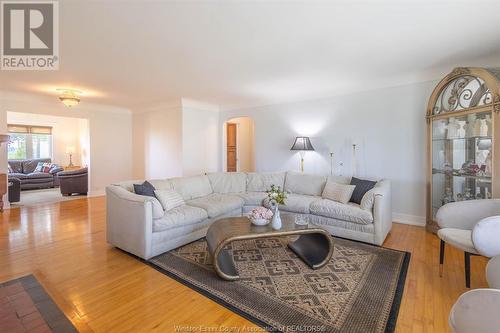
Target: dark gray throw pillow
362, 186
145, 188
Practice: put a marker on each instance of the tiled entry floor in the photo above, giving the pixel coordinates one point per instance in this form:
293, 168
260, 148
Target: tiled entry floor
26, 307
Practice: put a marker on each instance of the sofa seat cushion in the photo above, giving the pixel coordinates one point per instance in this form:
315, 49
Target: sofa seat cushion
346, 212
39, 175
217, 204
17, 175
461, 239
253, 198
179, 216
295, 203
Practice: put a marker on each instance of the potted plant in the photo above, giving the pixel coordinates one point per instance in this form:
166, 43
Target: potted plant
276, 197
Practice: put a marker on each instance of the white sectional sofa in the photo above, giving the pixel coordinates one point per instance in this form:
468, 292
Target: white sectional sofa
139, 224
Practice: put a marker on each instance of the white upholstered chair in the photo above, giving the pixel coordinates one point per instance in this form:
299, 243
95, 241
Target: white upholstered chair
478, 310
472, 226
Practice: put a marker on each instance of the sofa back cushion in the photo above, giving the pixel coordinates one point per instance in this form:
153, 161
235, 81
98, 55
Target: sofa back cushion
16, 166
301, 183
129, 184
346, 180
192, 187
262, 181
228, 182
29, 166
162, 184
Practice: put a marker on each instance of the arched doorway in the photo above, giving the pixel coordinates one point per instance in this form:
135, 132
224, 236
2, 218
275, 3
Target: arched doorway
238, 153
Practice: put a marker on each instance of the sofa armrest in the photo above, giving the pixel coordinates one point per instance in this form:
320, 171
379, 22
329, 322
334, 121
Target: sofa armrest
382, 211
465, 214
129, 220
83, 171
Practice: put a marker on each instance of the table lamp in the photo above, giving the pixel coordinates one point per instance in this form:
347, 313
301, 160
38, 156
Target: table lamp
70, 150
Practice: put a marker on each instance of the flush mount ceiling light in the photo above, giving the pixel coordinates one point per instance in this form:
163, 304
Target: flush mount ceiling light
69, 97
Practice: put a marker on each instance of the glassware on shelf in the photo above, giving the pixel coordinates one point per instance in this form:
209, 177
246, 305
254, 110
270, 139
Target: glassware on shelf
448, 196
452, 128
462, 129
439, 129
471, 121
301, 219
489, 123
462, 155
468, 194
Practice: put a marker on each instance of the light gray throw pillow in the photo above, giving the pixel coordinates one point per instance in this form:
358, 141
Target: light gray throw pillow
169, 199
338, 192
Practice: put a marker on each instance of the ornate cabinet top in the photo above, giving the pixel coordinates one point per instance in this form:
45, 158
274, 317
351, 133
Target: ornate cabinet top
465, 88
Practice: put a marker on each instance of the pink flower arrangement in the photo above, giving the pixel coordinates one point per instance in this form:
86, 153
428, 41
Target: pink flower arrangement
260, 213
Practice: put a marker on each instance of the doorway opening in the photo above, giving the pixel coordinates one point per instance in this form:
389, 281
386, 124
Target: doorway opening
48, 158
238, 145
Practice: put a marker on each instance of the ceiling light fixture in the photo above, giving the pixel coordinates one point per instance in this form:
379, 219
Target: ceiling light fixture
69, 97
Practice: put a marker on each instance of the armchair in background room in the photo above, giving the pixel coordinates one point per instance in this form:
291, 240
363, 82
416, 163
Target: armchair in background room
74, 181
472, 226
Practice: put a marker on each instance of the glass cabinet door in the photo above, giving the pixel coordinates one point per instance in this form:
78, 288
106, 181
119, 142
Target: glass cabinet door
461, 158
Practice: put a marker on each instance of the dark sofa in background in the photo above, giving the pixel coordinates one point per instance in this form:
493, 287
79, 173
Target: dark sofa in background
24, 170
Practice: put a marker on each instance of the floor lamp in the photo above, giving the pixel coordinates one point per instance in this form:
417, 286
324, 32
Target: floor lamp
302, 144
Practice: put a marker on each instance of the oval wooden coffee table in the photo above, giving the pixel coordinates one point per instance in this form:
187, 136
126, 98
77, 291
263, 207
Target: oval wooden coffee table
314, 245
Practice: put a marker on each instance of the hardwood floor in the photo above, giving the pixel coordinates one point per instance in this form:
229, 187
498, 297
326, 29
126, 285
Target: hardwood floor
102, 289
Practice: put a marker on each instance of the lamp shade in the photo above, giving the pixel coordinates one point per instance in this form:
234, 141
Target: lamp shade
302, 143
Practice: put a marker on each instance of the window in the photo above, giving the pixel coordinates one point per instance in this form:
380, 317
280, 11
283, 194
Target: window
29, 142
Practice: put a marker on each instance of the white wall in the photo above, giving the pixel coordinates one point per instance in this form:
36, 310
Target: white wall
65, 132
173, 140
200, 141
388, 126
110, 131
245, 144
157, 143
84, 142
3, 151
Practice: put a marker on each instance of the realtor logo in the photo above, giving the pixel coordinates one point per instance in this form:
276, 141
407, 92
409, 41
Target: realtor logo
30, 35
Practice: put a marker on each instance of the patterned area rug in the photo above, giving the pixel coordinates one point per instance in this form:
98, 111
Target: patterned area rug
358, 291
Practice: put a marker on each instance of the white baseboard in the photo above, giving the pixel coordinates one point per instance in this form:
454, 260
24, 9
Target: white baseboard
98, 193
408, 219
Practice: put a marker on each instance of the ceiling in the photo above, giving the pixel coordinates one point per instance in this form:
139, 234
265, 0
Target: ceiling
137, 54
